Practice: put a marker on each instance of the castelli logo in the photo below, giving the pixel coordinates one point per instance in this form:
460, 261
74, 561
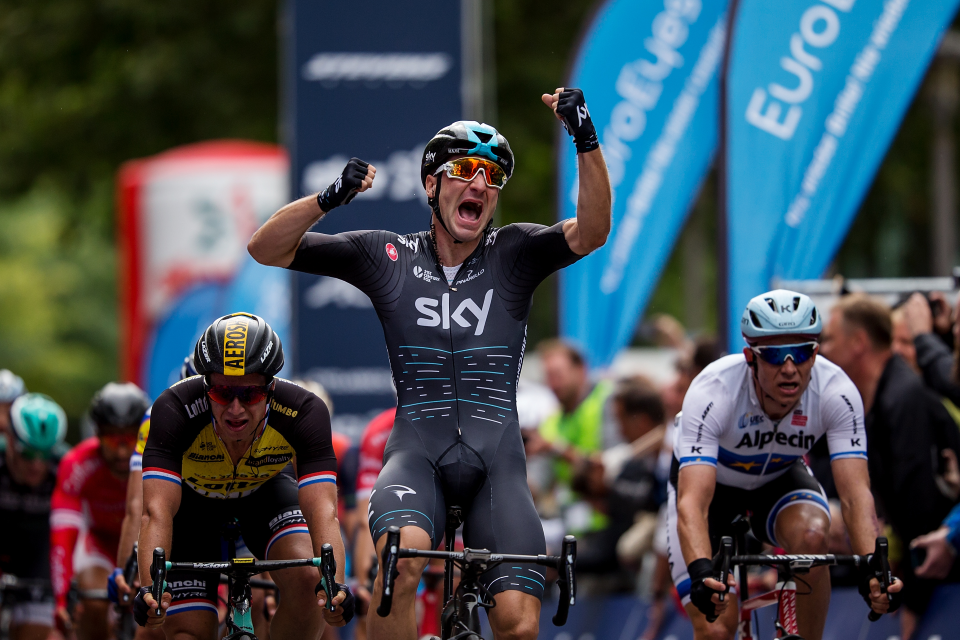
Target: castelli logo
392, 252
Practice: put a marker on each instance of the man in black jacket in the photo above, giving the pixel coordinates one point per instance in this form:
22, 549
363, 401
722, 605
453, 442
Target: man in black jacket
907, 429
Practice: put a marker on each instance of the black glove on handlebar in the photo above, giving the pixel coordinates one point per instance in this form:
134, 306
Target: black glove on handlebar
349, 604
701, 594
873, 570
344, 188
572, 108
140, 609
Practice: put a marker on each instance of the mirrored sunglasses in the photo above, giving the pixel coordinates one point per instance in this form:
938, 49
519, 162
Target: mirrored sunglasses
466, 169
778, 354
224, 394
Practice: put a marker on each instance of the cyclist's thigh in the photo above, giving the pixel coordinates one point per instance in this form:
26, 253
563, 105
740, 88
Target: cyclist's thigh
270, 514
198, 623
796, 486
407, 492
502, 518
27, 612
196, 538
94, 551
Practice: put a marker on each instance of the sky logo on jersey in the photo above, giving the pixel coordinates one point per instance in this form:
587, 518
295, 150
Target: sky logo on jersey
235, 346
426, 306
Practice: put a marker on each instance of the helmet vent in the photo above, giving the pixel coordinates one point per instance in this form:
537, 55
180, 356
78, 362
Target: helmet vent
771, 304
813, 317
796, 303
755, 320
484, 137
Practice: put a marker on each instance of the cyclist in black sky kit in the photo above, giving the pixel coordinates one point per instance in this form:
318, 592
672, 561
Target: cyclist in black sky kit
454, 302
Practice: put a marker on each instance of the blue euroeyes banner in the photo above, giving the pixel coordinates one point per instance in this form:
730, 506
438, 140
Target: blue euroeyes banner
648, 71
816, 92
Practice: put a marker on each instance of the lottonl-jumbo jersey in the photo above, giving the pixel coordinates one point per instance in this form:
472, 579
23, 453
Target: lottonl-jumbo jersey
184, 445
723, 424
455, 349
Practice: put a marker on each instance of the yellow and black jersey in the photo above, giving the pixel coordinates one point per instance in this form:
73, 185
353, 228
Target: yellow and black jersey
184, 447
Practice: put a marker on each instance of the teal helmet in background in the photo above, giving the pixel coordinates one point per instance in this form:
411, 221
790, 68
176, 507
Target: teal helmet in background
38, 422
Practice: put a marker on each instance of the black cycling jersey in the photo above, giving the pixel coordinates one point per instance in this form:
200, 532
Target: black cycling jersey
25, 514
455, 351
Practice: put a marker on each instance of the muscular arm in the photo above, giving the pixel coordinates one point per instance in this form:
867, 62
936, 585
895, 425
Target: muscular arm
695, 488
161, 501
275, 243
588, 231
318, 502
130, 529
856, 502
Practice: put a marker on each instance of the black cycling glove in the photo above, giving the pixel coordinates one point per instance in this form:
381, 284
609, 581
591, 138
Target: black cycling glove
349, 604
344, 188
141, 610
572, 108
700, 594
874, 570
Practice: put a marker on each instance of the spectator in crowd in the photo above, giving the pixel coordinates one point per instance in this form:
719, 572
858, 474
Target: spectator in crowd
938, 549
621, 482
906, 425
902, 339
582, 425
934, 357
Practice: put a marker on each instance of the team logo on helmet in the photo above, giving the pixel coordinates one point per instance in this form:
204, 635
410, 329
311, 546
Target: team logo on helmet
235, 346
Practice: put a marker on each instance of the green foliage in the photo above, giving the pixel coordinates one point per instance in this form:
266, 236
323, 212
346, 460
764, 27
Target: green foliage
58, 293
84, 86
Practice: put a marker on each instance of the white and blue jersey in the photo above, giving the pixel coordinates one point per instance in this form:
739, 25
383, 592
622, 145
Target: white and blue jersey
759, 461
723, 423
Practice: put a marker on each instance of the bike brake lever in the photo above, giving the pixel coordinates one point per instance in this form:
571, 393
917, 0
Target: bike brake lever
567, 581
882, 573
721, 564
328, 569
158, 572
389, 561
129, 572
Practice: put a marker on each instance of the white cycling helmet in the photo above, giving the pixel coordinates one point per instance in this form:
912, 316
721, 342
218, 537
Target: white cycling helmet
778, 313
11, 386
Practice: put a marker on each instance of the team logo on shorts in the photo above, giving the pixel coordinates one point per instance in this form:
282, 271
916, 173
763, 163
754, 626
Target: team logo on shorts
392, 252
401, 491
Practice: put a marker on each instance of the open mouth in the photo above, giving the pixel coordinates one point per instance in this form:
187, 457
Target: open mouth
235, 425
789, 388
470, 211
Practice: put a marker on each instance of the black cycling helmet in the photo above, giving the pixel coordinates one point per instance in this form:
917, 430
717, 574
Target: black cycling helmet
119, 405
466, 138
238, 344
463, 138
